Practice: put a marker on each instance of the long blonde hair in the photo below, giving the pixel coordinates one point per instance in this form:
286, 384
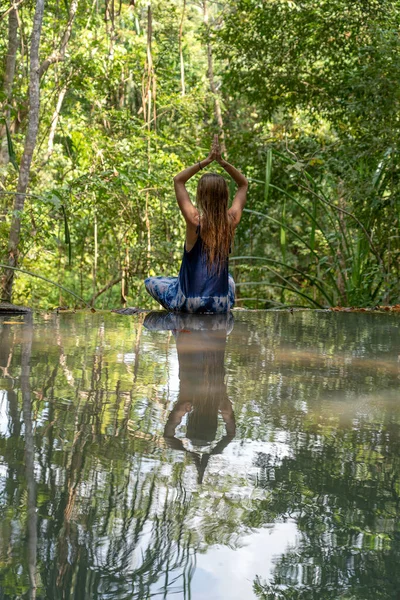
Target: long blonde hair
216, 227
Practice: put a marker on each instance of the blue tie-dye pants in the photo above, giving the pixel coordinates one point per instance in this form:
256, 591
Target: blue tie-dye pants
167, 291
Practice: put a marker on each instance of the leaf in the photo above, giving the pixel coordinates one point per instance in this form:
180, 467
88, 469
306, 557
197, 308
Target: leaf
67, 235
298, 166
54, 197
268, 171
313, 223
283, 231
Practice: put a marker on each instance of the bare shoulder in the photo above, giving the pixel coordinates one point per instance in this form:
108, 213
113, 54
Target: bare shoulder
192, 233
192, 218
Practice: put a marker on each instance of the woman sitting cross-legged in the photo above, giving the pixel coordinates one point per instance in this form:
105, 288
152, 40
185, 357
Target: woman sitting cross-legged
204, 284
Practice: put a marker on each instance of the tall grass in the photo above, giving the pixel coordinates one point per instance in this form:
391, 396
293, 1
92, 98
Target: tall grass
329, 259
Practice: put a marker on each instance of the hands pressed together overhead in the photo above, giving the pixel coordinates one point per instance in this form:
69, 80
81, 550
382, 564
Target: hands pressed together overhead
215, 152
191, 213
237, 176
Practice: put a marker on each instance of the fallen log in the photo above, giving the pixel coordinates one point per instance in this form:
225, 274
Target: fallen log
6, 308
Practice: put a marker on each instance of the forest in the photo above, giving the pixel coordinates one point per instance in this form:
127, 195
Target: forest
103, 102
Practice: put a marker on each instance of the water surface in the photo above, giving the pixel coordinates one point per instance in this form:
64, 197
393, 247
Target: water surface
204, 457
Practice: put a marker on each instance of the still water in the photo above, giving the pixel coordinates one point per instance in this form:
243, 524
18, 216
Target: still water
255, 455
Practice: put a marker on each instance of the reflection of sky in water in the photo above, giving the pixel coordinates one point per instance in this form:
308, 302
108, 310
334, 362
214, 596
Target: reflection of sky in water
226, 573
3, 413
3, 432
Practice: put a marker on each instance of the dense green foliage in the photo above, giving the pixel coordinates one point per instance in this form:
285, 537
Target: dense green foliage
310, 102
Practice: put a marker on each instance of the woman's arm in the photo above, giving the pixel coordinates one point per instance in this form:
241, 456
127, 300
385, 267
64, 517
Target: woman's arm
240, 198
236, 175
187, 173
190, 212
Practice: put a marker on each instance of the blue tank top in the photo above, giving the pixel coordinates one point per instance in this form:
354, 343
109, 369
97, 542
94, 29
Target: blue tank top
194, 277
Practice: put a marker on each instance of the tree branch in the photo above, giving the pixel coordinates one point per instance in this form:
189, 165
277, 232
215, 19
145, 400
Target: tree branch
104, 289
13, 6
59, 56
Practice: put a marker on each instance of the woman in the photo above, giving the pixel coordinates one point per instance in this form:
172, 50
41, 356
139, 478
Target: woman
204, 284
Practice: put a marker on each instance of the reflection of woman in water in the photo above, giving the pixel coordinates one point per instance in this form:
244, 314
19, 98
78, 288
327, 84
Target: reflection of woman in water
200, 343
204, 284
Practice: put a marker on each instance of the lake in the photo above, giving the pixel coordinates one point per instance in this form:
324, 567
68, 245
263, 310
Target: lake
250, 455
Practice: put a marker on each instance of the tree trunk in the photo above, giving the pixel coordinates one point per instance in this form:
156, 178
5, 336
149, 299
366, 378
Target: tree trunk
110, 17
180, 50
54, 121
9, 78
30, 143
96, 252
148, 92
210, 74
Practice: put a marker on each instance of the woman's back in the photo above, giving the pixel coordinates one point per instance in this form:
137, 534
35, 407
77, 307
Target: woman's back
197, 279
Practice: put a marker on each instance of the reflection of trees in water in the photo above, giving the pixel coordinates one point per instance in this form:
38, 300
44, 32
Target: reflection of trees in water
106, 553
108, 522
125, 543
341, 486
327, 392
31, 514
114, 514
